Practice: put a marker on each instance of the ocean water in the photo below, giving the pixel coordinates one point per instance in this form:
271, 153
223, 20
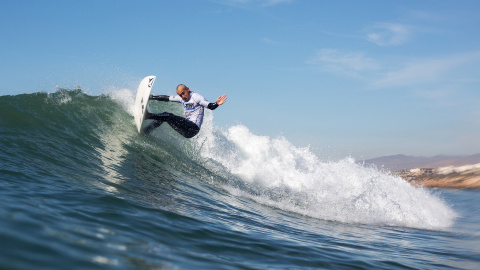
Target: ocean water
81, 189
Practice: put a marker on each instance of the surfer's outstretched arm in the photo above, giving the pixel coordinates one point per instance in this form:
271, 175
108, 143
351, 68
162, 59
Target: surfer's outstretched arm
220, 101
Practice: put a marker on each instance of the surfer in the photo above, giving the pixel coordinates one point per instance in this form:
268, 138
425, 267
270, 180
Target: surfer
193, 104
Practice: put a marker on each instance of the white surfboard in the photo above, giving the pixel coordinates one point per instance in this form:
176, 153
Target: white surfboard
141, 102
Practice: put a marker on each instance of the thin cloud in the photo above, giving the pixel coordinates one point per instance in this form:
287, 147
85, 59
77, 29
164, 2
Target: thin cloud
269, 41
425, 71
454, 70
267, 3
389, 34
350, 64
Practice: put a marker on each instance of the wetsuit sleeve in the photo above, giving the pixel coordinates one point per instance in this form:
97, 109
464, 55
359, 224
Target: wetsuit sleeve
160, 98
212, 106
166, 98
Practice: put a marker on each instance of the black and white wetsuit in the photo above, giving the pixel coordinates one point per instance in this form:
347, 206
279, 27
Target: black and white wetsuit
194, 111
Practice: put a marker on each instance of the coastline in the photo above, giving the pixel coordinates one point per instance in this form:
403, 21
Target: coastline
464, 177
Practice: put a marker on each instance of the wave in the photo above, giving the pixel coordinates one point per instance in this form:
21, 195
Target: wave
276, 173
69, 135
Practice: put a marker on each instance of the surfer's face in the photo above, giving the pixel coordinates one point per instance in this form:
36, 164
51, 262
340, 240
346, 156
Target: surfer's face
184, 93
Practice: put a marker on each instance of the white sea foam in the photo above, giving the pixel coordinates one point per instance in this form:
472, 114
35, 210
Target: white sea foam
124, 97
59, 97
277, 173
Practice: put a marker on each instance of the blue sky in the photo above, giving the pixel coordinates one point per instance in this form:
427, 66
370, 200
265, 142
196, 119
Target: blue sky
359, 78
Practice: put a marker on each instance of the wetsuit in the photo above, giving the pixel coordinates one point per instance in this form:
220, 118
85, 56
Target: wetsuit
194, 110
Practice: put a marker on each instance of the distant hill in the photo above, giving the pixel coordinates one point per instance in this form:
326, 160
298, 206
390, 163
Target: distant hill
403, 162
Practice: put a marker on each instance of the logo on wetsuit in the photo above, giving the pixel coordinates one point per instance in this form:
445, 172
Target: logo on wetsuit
189, 106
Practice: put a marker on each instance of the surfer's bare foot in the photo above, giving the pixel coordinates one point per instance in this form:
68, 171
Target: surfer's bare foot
147, 115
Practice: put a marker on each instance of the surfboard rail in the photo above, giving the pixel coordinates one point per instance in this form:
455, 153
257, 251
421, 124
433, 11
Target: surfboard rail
141, 101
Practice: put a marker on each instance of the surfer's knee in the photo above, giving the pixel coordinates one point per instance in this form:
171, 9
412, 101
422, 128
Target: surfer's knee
191, 134
186, 130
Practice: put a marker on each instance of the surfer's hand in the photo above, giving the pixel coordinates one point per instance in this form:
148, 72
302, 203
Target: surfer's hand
221, 99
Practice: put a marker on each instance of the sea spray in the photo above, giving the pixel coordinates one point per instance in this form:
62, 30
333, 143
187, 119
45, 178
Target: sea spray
124, 97
278, 174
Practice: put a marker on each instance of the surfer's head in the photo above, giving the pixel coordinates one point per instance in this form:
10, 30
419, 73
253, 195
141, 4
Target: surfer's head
183, 92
